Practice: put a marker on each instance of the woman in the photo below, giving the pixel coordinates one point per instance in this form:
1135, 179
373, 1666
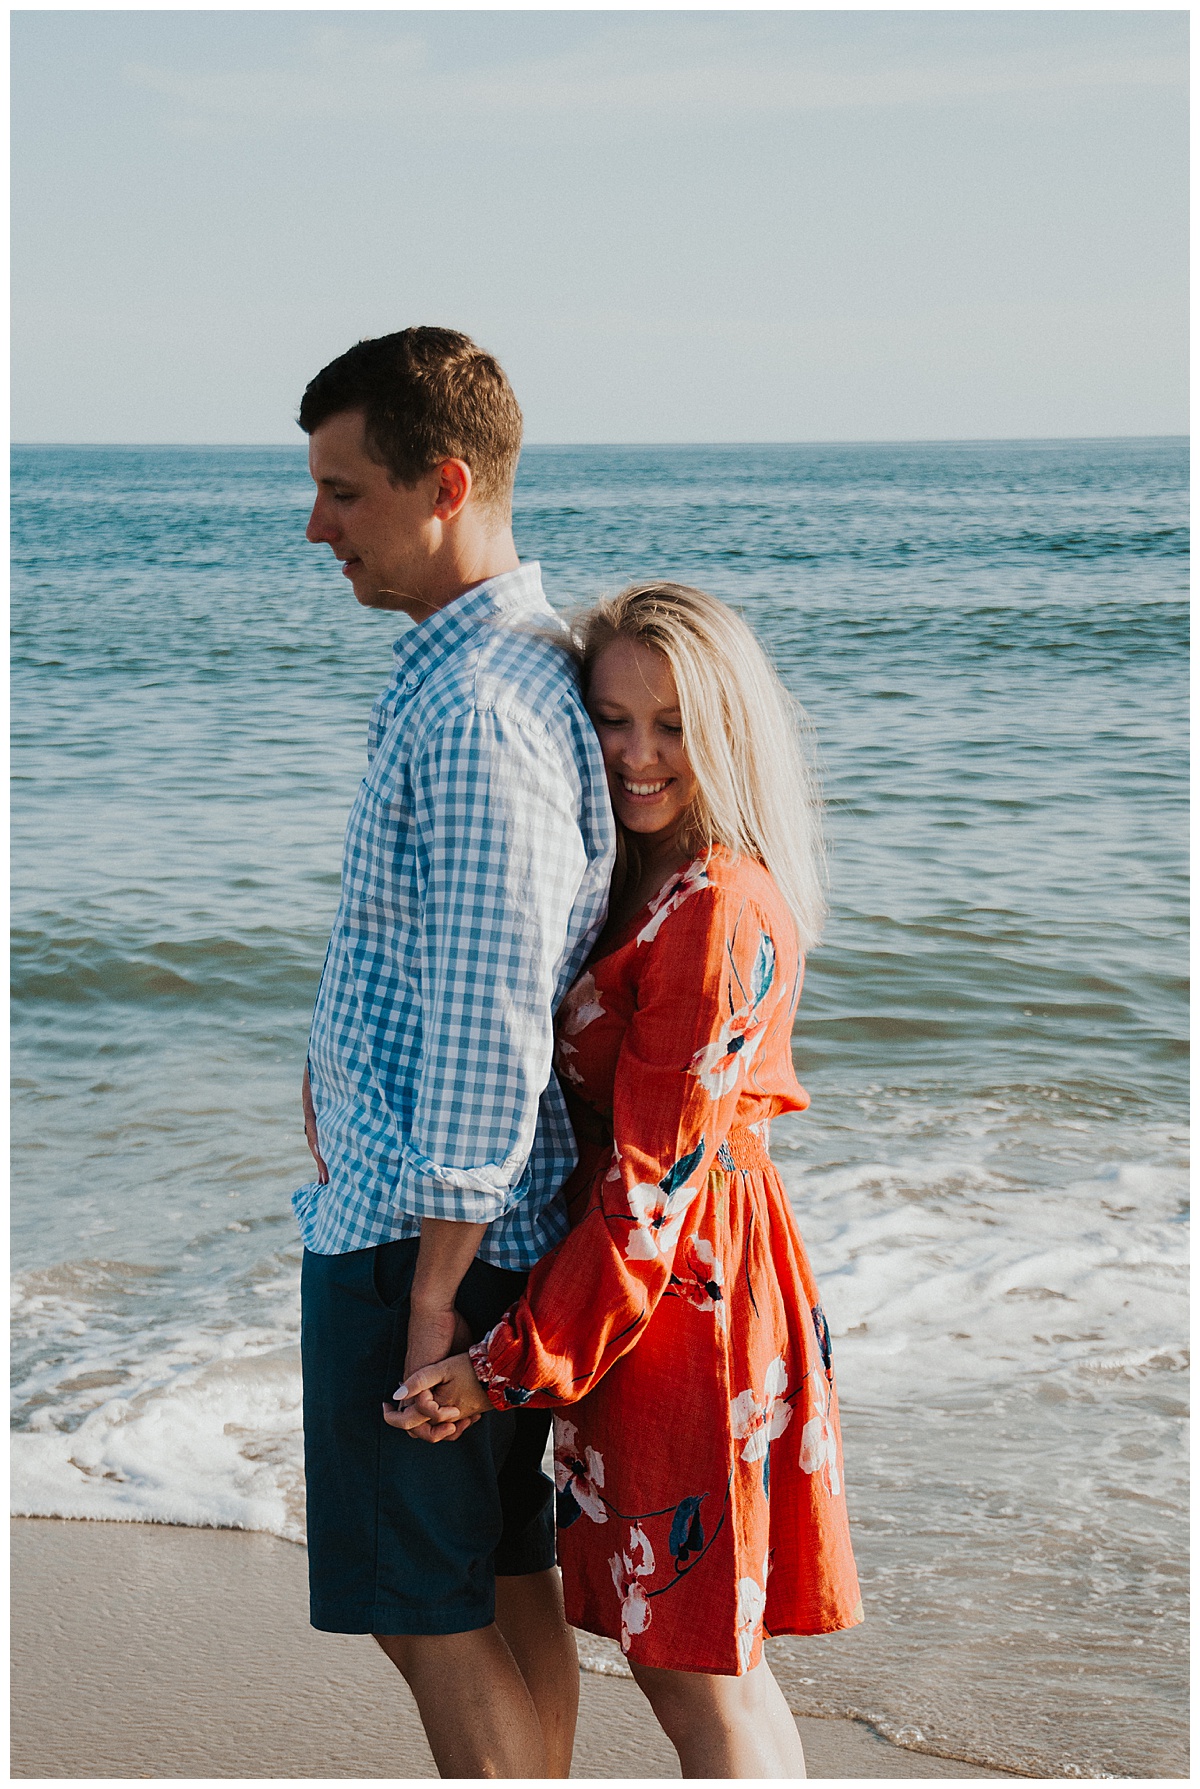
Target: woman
678, 1326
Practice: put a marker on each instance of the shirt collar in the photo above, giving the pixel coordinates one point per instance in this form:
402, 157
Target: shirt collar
507, 596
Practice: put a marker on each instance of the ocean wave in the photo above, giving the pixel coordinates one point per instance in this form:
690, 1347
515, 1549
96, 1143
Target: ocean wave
173, 1387
943, 1269
215, 1446
62, 966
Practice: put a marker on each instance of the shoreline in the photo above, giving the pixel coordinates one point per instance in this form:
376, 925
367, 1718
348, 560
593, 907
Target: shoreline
142, 1650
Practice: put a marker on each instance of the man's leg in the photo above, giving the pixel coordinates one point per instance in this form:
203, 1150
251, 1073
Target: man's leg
529, 1614
478, 1715
402, 1533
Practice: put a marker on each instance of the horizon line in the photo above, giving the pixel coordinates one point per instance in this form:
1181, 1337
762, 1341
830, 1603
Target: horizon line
815, 441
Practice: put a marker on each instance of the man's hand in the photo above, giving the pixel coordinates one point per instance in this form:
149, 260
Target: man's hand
459, 1399
310, 1128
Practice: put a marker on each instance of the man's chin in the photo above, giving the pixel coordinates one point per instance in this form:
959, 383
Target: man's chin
371, 597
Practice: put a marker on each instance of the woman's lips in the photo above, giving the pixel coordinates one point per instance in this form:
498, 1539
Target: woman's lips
644, 791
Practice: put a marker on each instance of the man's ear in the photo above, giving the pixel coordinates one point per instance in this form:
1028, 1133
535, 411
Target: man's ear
455, 485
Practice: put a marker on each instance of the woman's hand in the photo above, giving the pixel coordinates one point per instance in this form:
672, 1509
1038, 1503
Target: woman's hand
449, 1385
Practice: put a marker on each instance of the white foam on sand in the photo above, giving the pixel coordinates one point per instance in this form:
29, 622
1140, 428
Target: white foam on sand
136, 1402
215, 1446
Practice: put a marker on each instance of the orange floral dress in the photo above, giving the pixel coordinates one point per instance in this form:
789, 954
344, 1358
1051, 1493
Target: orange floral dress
698, 1466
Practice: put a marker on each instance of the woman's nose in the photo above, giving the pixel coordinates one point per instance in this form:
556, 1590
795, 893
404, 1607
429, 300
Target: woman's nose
640, 750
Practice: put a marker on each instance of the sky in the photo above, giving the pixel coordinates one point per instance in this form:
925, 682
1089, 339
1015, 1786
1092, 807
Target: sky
669, 226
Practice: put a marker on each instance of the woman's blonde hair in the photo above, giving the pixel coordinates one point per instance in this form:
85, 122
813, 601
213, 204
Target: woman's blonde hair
749, 742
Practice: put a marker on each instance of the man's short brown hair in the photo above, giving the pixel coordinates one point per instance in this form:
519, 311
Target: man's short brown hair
426, 395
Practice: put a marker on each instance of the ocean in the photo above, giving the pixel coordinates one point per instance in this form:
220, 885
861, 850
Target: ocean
991, 641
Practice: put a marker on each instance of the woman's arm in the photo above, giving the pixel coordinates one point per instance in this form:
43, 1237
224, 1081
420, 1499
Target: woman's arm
708, 992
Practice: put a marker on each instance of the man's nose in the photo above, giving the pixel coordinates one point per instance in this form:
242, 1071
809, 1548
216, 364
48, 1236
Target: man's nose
318, 527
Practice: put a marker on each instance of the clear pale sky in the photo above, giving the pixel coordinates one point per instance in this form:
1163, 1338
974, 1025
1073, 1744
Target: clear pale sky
670, 226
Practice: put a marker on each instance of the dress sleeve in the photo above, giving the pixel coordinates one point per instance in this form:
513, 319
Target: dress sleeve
705, 1000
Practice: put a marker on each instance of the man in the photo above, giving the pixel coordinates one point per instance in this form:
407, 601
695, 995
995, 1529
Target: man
474, 881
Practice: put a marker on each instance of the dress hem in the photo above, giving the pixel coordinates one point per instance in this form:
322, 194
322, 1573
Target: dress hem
780, 1633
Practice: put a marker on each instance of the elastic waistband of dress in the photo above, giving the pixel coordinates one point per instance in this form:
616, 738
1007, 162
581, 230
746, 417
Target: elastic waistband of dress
743, 1149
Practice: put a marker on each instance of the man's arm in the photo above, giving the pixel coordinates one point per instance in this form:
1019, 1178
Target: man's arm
499, 827
435, 1327
497, 819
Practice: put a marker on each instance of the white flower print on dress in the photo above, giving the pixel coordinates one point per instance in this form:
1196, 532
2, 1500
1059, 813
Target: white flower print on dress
660, 1210
580, 1007
568, 1071
818, 1444
758, 1421
581, 1472
659, 1220
671, 898
751, 1607
718, 1065
626, 1569
701, 1278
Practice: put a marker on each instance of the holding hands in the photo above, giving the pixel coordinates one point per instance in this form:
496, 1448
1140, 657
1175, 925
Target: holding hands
438, 1402
439, 1334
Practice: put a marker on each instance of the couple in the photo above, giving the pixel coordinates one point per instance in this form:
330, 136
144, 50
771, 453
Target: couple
544, 1059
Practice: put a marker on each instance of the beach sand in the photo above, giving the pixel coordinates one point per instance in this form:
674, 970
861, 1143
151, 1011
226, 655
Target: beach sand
148, 1651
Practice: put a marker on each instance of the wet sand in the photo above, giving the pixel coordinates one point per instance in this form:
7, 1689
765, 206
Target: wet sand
147, 1651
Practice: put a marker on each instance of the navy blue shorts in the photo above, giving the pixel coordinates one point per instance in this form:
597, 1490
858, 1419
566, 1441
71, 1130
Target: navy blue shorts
408, 1536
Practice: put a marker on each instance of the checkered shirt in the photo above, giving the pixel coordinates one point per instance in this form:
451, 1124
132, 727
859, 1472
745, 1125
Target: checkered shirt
474, 882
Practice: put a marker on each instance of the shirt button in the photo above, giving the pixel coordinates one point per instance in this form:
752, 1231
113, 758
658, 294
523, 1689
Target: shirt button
411, 681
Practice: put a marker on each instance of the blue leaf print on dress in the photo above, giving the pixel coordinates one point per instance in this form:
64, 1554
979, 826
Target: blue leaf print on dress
687, 1534
566, 1510
675, 1176
821, 1326
764, 968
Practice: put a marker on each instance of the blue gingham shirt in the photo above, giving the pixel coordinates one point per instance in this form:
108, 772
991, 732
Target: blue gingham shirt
474, 881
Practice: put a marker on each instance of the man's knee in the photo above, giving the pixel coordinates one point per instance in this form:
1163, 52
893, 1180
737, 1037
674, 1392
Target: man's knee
394, 1647
409, 1652
416, 1655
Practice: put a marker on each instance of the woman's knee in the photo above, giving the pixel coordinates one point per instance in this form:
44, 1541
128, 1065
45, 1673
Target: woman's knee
683, 1698
669, 1693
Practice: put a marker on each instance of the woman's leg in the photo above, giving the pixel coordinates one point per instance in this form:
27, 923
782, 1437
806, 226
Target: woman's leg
725, 1726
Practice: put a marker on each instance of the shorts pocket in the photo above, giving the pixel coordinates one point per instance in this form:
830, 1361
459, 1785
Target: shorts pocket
392, 1267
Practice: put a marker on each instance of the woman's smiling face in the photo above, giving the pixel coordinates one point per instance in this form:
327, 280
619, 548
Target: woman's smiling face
634, 707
